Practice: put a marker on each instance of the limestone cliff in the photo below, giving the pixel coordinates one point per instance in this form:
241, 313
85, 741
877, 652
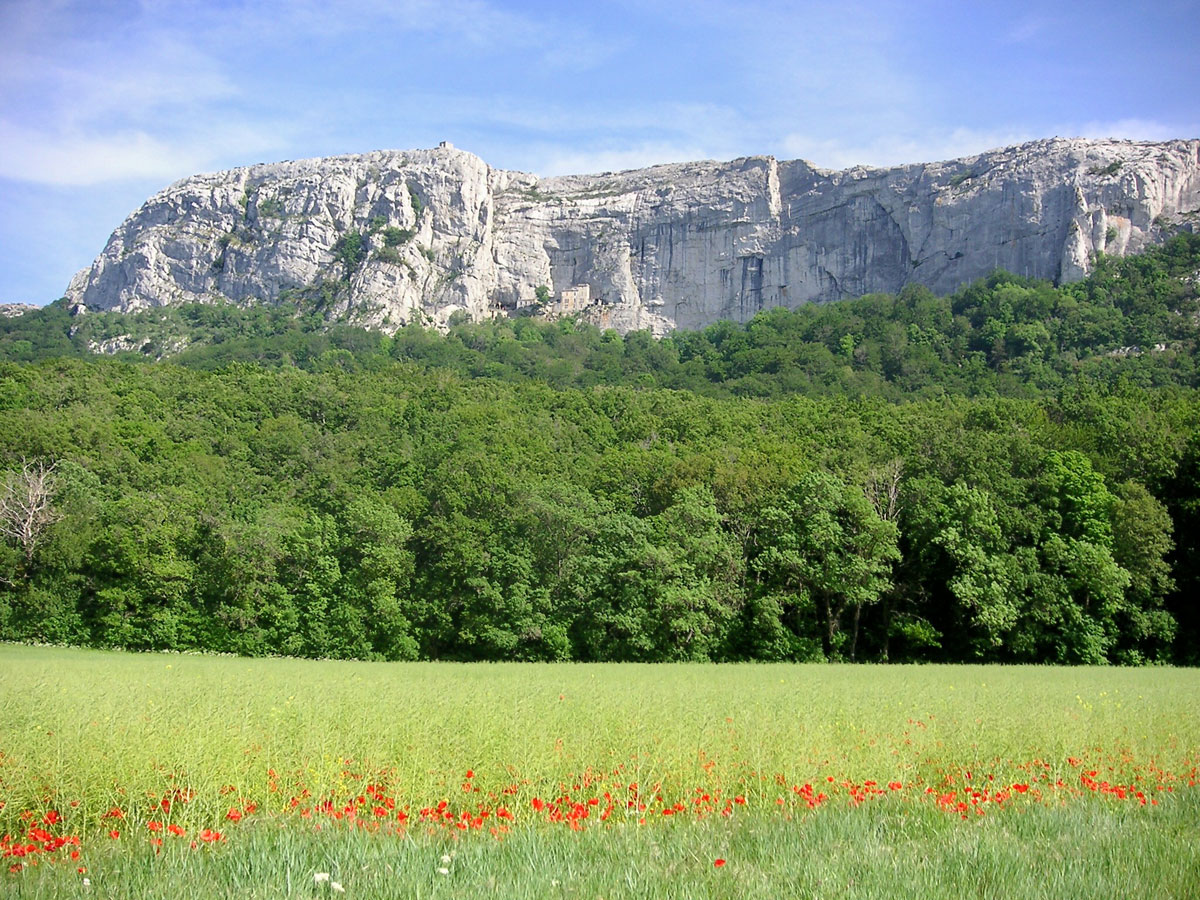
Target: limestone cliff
391, 237
12, 310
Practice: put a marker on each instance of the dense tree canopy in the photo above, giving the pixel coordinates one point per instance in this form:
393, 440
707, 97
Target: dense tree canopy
1011, 474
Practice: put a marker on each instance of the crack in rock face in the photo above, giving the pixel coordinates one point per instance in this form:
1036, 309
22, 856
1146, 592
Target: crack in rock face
387, 238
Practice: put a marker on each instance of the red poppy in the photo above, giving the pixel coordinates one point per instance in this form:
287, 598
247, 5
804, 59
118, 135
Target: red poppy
114, 834
718, 863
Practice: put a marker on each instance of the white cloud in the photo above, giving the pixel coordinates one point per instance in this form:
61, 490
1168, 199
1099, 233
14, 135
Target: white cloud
476, 25
29, 155
900, 149
89, 158
161, 72
699, 122
558, 139
52, 63
564, 161
163, 88
1135, 129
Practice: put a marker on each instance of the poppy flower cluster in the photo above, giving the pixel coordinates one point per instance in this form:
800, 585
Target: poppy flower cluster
492, 800
963, 790
37, 843
596, 798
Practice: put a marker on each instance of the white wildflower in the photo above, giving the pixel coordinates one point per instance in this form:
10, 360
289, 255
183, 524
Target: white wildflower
446, 859
336, 888
320, 877
87, 882
443, 871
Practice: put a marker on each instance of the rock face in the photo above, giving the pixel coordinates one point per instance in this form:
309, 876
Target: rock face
388, 238
12, 310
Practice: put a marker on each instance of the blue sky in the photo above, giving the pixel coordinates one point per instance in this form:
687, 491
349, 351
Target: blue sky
104, 103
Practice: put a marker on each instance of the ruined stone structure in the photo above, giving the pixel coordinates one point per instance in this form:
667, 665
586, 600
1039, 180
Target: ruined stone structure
574, 300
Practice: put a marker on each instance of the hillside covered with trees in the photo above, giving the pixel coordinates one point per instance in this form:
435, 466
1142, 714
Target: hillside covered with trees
1010, 473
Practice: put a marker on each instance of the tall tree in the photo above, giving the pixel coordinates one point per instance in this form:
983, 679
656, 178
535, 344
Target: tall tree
825, 547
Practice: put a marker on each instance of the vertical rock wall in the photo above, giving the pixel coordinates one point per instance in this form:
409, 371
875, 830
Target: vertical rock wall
438, 232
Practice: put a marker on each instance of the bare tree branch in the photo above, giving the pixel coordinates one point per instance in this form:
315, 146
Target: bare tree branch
26, 505
883, 489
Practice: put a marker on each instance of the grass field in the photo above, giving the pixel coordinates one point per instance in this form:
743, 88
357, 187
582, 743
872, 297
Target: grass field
172, 776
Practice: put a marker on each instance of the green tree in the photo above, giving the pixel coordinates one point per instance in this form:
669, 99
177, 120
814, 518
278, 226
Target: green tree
142, 591
957, 545
823, 546
350, 250
1142, 545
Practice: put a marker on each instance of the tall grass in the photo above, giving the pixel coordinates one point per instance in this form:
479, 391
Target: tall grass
84, 732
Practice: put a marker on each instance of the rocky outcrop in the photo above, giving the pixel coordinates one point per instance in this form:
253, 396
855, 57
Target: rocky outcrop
387, 238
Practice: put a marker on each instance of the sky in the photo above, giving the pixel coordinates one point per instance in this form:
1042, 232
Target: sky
104, 103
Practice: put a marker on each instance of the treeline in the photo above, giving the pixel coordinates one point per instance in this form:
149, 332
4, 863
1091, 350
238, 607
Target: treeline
1134, 322
405, 513
1011, 473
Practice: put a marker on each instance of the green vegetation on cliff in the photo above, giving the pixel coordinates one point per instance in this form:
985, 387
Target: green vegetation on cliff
1134, 321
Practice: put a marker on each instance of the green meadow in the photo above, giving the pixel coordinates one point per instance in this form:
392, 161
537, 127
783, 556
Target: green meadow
223, 776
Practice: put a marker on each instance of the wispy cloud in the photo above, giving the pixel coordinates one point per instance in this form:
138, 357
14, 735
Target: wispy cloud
564, 161
558, 138
899, 149
97, 99
700, 123
79, 159
80, 106
1135, 129
159, 88
94, 157
937, 145
470, 25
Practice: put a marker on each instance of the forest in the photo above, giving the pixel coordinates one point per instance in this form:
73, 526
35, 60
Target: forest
1010, 473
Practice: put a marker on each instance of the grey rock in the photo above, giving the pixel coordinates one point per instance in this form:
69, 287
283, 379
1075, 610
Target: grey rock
673, 246
12, 310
